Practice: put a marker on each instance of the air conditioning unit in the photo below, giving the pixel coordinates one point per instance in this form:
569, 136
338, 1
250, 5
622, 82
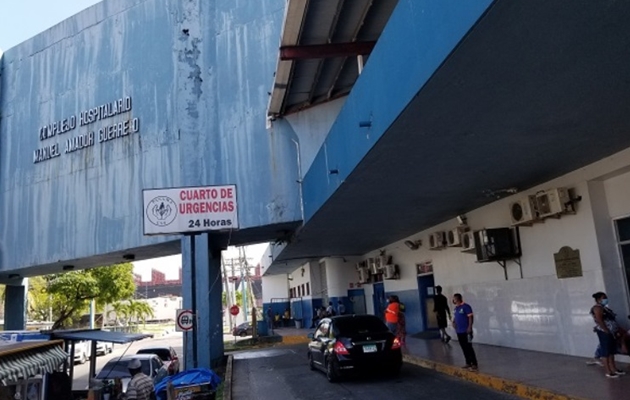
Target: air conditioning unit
390, 271
364, 275
468, 241
553, 202
454, 237
437, 240
524, 211
373, 266
497, 244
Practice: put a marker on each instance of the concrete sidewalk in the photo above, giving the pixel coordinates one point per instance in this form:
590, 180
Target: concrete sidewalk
528, 374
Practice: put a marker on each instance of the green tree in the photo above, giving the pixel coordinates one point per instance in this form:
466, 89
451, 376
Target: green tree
239, 299
39, 300
72, 292
128, 311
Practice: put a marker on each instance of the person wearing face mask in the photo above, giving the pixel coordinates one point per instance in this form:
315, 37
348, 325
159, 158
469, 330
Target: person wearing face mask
463, 319
608, 332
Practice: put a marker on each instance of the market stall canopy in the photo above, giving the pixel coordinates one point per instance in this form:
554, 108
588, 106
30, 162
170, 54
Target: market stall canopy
21, 360
100, 336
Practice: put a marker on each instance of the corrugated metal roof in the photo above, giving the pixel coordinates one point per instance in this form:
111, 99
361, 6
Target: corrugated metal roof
304, 82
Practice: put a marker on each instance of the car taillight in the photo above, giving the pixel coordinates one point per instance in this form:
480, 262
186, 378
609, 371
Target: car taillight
339, 348
396, 344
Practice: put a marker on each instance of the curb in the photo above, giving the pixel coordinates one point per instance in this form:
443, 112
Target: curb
227, 383
295, 339
500, 384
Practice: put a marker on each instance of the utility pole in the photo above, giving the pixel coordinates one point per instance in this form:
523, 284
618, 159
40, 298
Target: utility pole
243, 281
228, 296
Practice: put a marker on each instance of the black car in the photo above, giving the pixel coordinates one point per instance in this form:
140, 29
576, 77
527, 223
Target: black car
354, 343
244, 329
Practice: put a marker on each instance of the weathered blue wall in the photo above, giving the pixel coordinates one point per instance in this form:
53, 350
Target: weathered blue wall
198, 73
400, 64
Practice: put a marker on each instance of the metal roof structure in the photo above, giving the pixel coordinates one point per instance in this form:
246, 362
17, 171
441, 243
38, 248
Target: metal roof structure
323, 48
101, 336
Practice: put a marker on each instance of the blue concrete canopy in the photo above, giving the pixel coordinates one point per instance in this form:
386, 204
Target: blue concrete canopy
138, 94
465, 99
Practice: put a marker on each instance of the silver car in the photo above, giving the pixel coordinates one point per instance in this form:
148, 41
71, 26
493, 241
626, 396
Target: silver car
152, 367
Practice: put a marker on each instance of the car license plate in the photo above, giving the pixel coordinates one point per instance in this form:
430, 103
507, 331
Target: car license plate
369, 348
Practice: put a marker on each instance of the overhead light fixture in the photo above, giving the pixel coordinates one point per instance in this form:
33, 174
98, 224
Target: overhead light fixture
129, 257
461, 219
413, 244
68, 267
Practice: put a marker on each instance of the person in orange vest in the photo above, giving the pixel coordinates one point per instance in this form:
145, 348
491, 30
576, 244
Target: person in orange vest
391, 314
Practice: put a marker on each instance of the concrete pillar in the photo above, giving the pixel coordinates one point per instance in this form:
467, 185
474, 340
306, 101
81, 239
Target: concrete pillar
15, 306
208, 295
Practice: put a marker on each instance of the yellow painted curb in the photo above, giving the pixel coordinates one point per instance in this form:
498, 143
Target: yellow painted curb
227, 382
489, 381
295, 339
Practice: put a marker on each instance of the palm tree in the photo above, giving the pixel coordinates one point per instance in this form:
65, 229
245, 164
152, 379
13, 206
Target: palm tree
132, 310
122, 312
142, 310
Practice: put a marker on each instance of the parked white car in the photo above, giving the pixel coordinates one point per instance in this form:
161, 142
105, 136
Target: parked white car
82, 351
103, 348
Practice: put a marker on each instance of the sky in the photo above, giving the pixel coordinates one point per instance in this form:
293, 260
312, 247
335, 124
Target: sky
22, 19
170, 265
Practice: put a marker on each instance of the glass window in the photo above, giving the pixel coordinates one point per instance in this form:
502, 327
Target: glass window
322, 329
623, 228
308, 289
359, 325
164, 354
117, 368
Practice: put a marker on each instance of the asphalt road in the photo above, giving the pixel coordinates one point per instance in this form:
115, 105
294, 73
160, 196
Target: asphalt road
283, 373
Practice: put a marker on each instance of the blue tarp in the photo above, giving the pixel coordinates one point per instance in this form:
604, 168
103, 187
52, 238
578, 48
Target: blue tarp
189, 377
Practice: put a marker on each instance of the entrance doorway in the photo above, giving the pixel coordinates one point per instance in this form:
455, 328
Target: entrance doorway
380, 304
426, 289
357, 301
623, 235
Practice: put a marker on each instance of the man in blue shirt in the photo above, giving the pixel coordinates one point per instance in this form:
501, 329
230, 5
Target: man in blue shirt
463, 324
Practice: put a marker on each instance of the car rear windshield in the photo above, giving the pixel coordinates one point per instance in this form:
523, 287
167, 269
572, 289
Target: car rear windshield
118, 369
164, 354
354, 326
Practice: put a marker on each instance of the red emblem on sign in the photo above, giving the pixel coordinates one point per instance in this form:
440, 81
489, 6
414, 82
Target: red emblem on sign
234, 310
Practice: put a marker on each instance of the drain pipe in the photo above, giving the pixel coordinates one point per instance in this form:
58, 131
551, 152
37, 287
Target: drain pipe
299, 165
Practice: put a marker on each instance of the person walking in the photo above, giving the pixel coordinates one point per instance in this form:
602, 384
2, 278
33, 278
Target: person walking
608, 332
441, 310
463, 319
341, 308
401, 326
330, 310
140, 386
391, 314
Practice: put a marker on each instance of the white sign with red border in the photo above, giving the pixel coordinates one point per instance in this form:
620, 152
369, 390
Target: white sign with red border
184, 320
189, 209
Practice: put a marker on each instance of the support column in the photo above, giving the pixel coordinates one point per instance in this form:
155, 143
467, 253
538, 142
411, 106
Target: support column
15, 306
209, 308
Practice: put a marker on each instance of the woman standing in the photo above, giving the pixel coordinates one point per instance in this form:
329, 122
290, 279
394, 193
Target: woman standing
401, 327
607, 331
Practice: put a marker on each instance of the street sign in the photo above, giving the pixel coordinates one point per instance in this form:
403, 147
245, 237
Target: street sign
234, 310
184, 320
189, 209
